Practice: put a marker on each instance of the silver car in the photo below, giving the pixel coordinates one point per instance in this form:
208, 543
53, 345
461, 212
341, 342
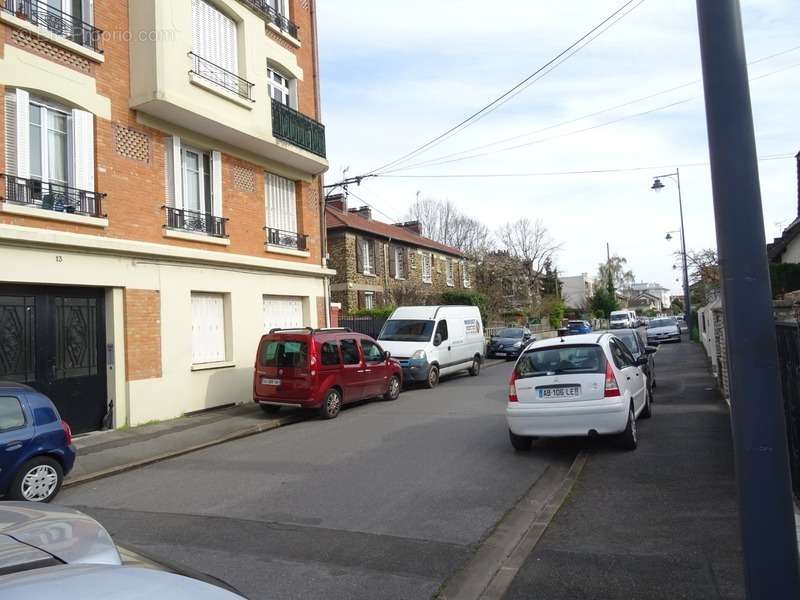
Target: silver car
53, 551
664, 329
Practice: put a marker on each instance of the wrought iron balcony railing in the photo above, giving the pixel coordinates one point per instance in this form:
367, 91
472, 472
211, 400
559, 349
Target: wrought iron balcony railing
40, 13
51, 196
286, 239
298, 129
215, 74
271, 15
181, 219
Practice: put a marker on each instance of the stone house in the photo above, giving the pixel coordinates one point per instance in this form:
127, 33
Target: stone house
379, 264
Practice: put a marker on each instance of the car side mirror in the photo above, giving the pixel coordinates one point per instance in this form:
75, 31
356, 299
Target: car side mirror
641, 361
387, 355
650, 349
437, 339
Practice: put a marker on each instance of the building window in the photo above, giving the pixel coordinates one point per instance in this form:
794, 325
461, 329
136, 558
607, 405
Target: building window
465, 275
208, 328
369, 300
279, 6
214, 36
427, 267
365, 256
196, 172
451, 280
281, 204
281, 88
399, 263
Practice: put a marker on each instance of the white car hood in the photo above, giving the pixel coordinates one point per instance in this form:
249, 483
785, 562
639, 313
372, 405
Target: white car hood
661, 330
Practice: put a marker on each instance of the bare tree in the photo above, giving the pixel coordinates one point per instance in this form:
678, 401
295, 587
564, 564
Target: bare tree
615, 271
530, 243
443, 222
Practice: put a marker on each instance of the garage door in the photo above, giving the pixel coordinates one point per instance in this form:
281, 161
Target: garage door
284, 312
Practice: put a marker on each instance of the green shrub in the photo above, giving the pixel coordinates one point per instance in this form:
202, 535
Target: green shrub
785, 277
464, 298
556, 315
379, 312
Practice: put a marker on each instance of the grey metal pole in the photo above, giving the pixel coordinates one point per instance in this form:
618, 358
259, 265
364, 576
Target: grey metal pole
687, 304
759, 430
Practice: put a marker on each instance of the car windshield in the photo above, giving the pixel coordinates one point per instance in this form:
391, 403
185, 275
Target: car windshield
406, 330
508, 333
576, 324
660, 323
284, 354
619, 317
561, 360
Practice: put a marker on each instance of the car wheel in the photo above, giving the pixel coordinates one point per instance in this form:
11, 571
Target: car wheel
647, 411
331, 405
475, 369
521, 443
433, 377
270, 409
629, 439
38, 480
393, 389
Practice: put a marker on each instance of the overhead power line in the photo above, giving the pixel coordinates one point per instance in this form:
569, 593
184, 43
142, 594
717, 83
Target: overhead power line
464, 123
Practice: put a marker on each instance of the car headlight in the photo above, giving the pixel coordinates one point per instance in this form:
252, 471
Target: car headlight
419, 355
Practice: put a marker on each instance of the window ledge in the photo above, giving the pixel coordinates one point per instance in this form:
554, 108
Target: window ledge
427, 282
369, 274
221, 92
228, 364
51, 37
287, 251
289, 38
196, 237
451, 285
399, 278
51, 215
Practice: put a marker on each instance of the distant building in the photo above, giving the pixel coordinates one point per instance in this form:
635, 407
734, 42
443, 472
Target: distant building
786, 249
645, 292
577, 290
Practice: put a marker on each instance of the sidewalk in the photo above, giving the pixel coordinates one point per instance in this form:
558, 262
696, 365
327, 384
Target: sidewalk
107, 452
660, 522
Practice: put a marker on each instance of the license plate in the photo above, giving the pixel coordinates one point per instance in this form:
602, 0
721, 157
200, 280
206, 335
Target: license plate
500, 353
265, 381
562, 392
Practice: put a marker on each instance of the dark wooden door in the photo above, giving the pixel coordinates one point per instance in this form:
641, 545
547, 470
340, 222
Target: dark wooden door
53, 339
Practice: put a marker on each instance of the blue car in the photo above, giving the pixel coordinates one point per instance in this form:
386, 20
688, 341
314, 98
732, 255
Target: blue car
578, 327
36, 449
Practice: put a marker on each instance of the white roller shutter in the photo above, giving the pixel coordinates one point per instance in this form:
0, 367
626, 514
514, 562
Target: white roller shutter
83, 150
216, 183
11, 131
23, 123
281, 203
214, 36
208, 328
283, 312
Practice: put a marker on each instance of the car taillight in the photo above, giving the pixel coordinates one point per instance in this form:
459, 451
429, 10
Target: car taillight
611, 389
512, 388
67, 432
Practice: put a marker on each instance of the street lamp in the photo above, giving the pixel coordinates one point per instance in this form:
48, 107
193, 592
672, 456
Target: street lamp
658, 186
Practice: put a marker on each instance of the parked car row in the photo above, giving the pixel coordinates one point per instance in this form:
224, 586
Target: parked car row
324, 369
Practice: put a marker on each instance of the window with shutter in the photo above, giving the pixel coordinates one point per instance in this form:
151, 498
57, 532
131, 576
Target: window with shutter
427, 267
450, 274
465, 273
208, 328
281, 203
214, 36
366, 250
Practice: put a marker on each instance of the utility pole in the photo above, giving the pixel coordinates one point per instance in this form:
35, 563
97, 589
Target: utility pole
758, 423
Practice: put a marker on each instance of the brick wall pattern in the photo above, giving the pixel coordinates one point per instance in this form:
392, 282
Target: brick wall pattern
142, 334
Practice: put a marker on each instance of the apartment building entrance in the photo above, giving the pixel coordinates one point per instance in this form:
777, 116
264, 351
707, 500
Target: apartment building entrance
53, 339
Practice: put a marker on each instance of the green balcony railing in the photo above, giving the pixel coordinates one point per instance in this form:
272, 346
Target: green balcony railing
298, 129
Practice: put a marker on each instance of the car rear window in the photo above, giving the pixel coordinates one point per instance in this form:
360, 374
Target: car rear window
561, 360
11, 415
284, 354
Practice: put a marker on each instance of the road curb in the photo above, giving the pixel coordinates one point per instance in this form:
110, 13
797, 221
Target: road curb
241, 433
489, 573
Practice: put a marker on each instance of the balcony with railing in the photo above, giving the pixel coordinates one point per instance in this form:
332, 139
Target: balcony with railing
221, 78
55, 197
270, 15
296, 128
192, 221
286, 239
41, 14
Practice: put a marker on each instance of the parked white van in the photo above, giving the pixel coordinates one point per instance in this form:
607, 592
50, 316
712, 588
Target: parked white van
431, 341
622, 319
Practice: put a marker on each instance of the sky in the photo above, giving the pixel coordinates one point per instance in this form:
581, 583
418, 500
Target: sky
395, 74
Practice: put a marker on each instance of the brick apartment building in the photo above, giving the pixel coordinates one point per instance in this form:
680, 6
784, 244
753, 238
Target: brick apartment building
160, 198
379, 263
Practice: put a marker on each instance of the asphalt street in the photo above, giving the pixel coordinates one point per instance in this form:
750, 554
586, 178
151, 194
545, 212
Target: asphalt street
386, 501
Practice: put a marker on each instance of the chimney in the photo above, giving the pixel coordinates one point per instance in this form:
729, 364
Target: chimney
337, 201
798, 184
412, 226
364, 212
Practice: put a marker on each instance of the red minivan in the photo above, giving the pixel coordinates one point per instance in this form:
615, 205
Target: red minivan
322, 369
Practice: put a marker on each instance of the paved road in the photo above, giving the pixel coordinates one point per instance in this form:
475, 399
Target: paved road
384, 502
658, 523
